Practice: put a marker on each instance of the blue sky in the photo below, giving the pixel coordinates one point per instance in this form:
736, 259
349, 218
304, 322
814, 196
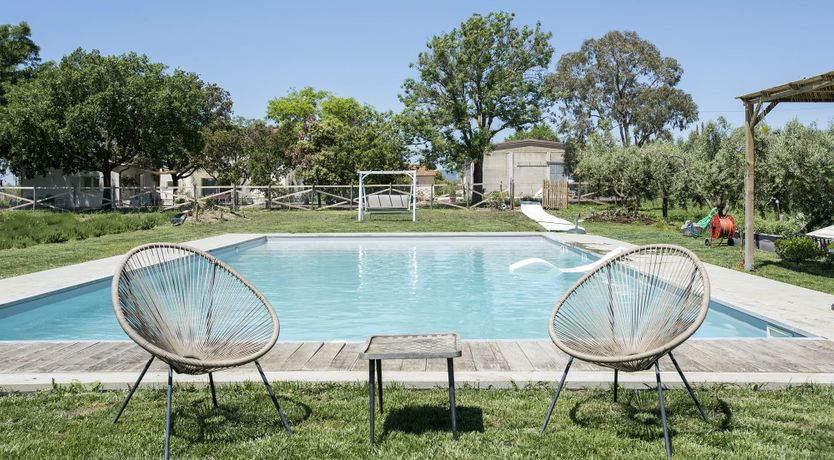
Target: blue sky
259, 50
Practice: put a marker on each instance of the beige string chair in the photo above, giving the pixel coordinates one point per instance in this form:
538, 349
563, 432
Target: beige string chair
193, 312
629, 312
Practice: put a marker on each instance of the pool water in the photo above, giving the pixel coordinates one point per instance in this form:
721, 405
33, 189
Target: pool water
338, 288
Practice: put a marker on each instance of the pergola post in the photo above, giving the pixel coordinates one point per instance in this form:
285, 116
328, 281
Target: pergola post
749, 187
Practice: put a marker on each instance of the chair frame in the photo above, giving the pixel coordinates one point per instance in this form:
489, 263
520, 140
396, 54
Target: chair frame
194, 366
656, 354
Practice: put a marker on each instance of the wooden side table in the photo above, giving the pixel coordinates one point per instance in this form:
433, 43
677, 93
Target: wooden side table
411, 346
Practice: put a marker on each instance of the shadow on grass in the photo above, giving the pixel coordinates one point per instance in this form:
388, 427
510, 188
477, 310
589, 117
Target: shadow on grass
232, 422
809, 267
424, 418
641, 414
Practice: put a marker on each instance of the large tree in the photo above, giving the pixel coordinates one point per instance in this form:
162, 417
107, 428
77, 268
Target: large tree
483, 77
542, 132
622, 81
19, 55
331, 138
185, 107
87, 113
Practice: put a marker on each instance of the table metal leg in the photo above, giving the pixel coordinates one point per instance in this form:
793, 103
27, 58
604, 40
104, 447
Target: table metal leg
379, 382
450, 365
371, 385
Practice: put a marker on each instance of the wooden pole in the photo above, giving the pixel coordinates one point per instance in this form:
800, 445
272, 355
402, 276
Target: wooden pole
749, 188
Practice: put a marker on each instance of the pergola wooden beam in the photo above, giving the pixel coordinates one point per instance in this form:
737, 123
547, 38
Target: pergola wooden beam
756, 107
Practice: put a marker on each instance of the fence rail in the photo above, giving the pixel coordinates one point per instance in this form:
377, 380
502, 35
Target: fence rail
298, 197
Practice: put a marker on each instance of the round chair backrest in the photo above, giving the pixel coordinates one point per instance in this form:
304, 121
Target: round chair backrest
634, 308
190, 309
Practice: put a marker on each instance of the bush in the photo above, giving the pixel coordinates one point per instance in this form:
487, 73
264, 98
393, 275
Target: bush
496, 199
829, 253
797, 248
786, 228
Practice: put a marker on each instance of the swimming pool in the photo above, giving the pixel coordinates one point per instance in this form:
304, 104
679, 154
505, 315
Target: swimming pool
347, 288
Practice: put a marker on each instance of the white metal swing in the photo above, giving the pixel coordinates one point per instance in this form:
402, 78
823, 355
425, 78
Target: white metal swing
386, 202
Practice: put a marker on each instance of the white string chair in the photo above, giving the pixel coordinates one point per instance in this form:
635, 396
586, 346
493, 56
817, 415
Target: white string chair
193, 312
631, 311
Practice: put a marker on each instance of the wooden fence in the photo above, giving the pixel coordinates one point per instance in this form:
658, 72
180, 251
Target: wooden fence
554, 194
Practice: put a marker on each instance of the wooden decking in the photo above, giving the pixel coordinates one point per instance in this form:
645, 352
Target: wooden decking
718, 356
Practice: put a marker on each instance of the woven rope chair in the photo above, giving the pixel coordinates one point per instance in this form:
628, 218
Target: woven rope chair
631, 311
193, 312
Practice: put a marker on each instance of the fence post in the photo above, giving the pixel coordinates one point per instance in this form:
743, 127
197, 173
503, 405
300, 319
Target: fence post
350, 203
34, 197
431, 196
512, 194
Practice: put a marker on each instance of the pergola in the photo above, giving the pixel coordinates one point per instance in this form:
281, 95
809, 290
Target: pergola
756, 106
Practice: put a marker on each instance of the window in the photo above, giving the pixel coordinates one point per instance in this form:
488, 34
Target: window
91, 181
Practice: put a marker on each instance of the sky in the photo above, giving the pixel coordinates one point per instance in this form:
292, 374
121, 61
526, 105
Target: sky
362, 49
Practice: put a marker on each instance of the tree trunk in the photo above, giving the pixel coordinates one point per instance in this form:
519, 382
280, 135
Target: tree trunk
107, 194
664, 207
477, 181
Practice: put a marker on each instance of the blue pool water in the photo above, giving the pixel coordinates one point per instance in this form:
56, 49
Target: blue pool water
349, 288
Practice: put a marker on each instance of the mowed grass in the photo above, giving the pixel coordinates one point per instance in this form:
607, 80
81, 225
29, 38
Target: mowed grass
15, 262
331, 421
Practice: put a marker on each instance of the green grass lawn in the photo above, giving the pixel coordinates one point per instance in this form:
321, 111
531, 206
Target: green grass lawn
43, 256
330, 421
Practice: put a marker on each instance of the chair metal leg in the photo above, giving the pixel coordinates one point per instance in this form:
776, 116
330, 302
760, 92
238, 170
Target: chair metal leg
168, 413
213, 393
371, 385
450, 366
616, 372
688, 387
274, 399
556, 396
379, 382
663, 411
133, 389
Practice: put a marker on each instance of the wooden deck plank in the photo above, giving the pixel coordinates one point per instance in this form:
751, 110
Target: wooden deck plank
487, 357
347, 356
324, 356
515, 357
32, 355
296, 361
413, 365
275, 359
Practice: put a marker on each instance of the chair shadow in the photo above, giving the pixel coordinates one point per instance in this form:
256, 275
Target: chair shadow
201, 422
642, 416
425, 418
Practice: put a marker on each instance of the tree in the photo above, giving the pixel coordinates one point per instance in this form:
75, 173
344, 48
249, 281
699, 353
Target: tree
184, 108
19, 59
483, 77
621, 81
613, 170
540, 132
88, 113
329, 138
19, 55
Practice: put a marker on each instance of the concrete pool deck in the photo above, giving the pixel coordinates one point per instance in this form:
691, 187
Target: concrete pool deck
27, 366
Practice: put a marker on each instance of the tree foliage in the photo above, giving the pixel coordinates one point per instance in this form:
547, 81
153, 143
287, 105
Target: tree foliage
621, 81
482, 77
245, 150
330, 138
19, 55
184, 109
539, 131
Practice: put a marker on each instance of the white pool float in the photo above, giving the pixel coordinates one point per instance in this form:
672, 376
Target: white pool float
535, 265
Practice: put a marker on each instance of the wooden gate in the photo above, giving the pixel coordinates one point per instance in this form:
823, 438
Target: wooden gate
554, 194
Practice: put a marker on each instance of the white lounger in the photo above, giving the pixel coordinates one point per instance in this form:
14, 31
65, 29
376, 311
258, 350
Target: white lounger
550, 222
536, 265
